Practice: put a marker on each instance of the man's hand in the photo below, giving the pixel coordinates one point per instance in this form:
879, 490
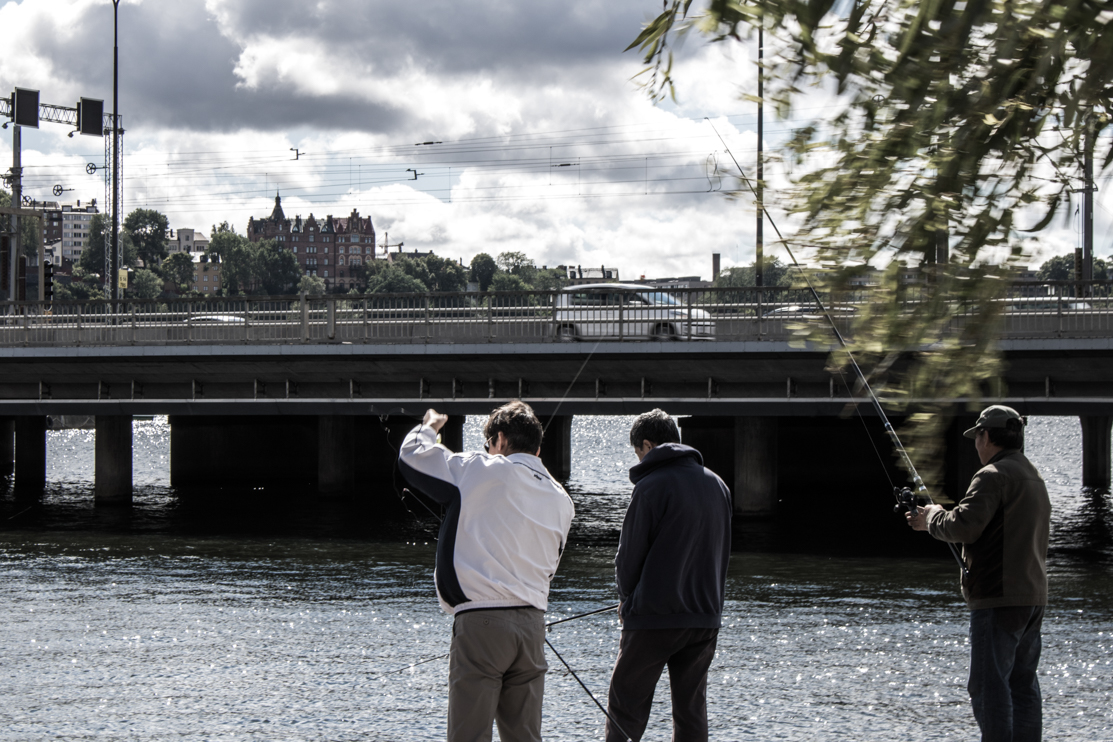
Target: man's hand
434, 419
919, 519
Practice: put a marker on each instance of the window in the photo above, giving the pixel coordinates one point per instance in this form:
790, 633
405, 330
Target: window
326, 251
311, 249
312, 237
311, 261
326, 238
326, 261
206, 280
340, 261
340, 250
355, 261
294, 248
326, 274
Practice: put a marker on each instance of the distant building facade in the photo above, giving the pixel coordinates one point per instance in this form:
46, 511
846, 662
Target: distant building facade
68, 226
334, 249
186, 240
206, 273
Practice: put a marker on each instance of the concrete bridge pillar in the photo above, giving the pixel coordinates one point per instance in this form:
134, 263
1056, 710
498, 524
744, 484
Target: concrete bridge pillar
1096, 433
7, 445
556, 447
755, 476
113, 460
30, 453
336, 452
961, 460
243, 451
713, 437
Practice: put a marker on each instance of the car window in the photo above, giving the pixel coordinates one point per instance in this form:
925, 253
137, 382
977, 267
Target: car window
659, 297
588, 299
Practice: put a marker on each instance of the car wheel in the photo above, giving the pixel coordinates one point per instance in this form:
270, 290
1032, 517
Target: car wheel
664, 332
565, 333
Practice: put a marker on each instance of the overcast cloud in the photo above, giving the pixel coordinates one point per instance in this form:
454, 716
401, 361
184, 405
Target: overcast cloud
215, 93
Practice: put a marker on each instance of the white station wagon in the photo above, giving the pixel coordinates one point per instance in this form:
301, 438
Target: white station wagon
627, 311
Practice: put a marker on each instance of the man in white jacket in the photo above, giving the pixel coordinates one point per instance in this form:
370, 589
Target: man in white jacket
504, 531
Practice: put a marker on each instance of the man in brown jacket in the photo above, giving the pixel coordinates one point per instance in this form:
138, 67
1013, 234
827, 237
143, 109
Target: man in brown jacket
1002, 524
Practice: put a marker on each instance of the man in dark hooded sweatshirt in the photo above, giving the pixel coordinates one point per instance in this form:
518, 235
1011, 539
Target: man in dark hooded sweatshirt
671, 571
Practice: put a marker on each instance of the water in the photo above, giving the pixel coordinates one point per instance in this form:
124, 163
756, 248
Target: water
278, 617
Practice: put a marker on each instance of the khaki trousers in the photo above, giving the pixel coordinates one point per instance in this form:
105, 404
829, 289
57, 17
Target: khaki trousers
496, 671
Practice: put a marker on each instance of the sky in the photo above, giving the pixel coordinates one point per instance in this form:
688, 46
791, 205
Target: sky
540, 139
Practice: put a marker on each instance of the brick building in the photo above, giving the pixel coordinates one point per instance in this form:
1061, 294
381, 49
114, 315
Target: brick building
333, 249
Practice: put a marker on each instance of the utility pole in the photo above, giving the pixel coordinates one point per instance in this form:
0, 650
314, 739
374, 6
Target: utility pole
759, 263
1088, 203
114, 261
17, 198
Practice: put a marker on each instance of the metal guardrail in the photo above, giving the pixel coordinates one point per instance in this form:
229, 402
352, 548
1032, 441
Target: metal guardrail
1048, 310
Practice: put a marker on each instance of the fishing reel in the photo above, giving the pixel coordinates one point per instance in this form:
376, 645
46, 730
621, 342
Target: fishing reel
906, 500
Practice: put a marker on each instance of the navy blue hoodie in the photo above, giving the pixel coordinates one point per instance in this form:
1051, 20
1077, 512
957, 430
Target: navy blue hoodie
671, 565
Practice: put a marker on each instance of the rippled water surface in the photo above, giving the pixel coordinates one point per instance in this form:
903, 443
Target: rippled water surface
280, 617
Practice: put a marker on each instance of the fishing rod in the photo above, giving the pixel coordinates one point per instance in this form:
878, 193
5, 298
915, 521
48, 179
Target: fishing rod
908, 500
587, 690
548, 627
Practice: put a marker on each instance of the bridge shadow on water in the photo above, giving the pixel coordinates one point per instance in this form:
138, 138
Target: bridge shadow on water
839, 527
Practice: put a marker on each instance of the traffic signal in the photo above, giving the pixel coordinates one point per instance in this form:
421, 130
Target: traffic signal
25, 105
90, 117
48, 280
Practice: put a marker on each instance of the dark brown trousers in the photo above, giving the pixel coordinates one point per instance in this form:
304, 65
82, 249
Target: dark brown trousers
642, 655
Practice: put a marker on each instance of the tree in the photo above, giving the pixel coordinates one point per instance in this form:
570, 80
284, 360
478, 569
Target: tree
509, 282
83, 286
178, 270
961, 124
517, 264
444, 274
146, 284
776, 273
276, 268
92, 256
393, 279
224, 240
1061, 268
148, 230
312, 285
29, 229
482, 270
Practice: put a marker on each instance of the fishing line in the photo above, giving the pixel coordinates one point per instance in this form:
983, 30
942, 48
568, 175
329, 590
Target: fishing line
548, 627
918, 483
569, 389
588, 691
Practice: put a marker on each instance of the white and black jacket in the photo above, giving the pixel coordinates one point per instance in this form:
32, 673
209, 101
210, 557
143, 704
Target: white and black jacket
506, 524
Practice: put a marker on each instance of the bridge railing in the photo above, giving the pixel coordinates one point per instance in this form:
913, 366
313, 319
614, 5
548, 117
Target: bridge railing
1029, 310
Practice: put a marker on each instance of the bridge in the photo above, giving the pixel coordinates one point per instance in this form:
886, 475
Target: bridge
297, 389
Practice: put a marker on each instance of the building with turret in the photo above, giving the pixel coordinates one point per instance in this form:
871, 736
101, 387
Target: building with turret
332, 248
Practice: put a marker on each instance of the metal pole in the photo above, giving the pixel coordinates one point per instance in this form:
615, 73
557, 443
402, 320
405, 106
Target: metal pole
17, 198
759, 262
1088, 205
114, 270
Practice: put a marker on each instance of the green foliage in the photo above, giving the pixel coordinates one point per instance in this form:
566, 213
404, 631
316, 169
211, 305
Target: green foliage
1061, 268
29, 229
311, 285
148, 229
145, 284
92, 256
393, 278
178, 270
83, 286
956, 123
482, 270
224, 240
776, 273
508, 282
276, 269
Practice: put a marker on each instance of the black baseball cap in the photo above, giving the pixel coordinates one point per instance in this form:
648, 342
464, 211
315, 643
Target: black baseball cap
994, 416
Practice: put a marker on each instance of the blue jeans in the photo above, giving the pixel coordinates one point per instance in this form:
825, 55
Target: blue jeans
1004, 654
